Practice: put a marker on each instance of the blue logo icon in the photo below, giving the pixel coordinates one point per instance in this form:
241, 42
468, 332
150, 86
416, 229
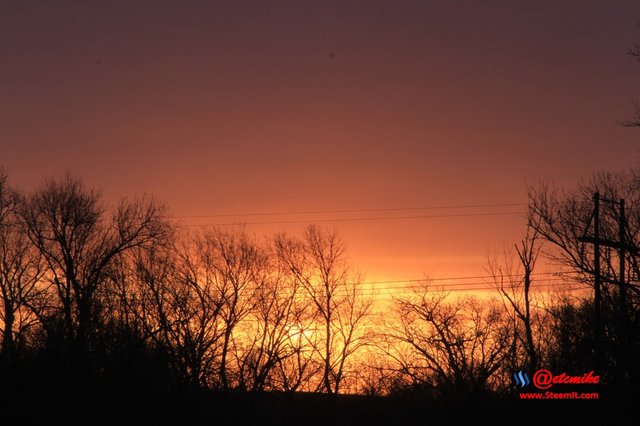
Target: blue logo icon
521, 378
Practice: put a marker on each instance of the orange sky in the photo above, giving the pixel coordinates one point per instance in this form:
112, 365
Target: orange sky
241, 107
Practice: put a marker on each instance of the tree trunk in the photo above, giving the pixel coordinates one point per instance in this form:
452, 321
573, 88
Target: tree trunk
84, 324
327, 354
8, 342
223, 360
531, 348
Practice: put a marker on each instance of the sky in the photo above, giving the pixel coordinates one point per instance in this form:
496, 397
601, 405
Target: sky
421, 122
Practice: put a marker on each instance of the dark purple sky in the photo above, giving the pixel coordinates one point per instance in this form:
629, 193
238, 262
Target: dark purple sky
236, 107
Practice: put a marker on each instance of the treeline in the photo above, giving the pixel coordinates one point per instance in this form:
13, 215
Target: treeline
121, 300
220, 308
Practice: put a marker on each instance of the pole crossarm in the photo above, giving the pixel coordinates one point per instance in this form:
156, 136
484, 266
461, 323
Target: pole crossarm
610, 243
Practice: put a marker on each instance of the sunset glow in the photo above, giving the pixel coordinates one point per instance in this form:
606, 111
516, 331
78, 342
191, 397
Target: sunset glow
206, 201
228, 109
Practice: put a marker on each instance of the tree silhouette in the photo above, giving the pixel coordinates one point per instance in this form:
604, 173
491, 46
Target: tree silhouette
20, 272
272, 336
513, 282
179, 312
562, 218
318, 262
236, 266
66, 223
634, 121
450, 347
122, 304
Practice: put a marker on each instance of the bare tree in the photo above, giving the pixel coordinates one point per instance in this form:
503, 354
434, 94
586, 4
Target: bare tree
319, 263
20, 270
272, 333
513, 282
179, 308
562, 217
298, 370
235, 264
223, 312
634, 121
447, 346
67, 224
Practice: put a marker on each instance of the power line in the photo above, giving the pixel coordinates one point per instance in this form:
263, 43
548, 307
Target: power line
474, 286
556, 281
467, 284
376, 313
468, 277
572, 287
360, 219
445, 207
404, 291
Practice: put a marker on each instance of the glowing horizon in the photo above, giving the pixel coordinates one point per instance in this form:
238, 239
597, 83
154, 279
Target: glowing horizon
227, 109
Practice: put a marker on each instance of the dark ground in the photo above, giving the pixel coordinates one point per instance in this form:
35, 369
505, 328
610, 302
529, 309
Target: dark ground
228, 408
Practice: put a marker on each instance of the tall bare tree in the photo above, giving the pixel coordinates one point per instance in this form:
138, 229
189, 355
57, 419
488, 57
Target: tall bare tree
20, 270
178, 306
236, 265
271, 334
513, 281
67, 223
319, 263
634, 120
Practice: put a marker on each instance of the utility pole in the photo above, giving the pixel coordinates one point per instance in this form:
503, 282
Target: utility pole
623, 285
597, 296
597, 280
623, 313
623, 248
597, 284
